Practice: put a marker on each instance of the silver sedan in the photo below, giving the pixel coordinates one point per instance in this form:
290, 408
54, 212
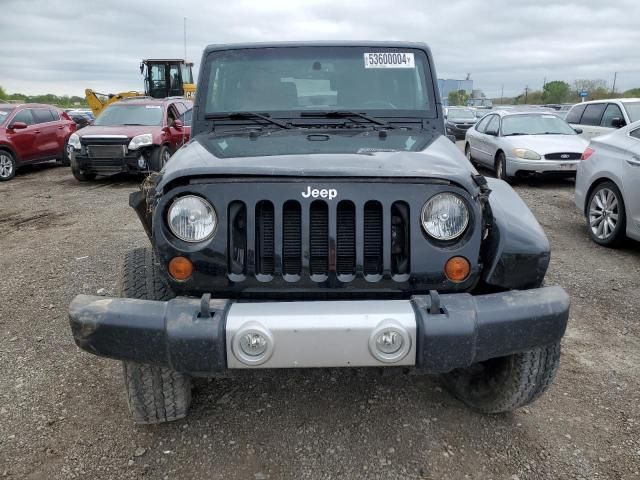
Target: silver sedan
517, 143
608, 186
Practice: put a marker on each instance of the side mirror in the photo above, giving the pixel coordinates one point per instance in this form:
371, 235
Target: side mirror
618, 122
177, 124
452, 138
18, 126
578, 130
493, 133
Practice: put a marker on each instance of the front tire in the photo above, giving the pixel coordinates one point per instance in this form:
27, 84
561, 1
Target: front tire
503, 384
81, 175
159, 158
65, 160
7, 166
501, 167
155, 394
606, 216
467, 153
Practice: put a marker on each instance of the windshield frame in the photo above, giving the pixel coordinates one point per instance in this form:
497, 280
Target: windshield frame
140, 106
434, 111
534, 114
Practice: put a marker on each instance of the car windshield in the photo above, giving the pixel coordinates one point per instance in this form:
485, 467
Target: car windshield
150, 115
4, 114
535, 125
379, 81
633, 110
461, 113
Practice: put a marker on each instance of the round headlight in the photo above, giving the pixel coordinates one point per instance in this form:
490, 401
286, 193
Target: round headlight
445, 216
192, 219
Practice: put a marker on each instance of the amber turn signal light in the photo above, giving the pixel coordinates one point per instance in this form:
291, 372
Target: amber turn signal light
180, 268
457, 269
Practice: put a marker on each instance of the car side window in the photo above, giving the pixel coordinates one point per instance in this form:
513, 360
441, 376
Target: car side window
180, 107
24, 116
635, 133
612, 111
42, 115
185, 118
575, 114
593, 114
54, 114
482, 124
172, 115
494, 124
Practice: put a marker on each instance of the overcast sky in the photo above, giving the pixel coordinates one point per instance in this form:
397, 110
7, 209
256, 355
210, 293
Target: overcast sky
62, 47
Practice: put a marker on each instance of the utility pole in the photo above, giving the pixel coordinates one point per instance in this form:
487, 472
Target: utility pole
615, 76
185, 39
502, 95
526, 94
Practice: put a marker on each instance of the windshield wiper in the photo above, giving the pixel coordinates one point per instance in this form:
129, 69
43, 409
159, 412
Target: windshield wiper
515, 134
246, 115
347, 114
133, 124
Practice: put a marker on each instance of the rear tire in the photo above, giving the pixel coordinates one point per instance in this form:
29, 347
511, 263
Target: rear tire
81, 175
503, 384
605, 208
159, 158
467, 153
155, 394
8, 166
65, 160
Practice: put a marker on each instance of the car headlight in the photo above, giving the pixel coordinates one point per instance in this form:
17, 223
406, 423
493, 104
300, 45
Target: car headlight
526, 154
192, 219
445, 216
74, 141
143, 140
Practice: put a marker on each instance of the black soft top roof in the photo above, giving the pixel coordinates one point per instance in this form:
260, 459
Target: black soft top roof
315, 43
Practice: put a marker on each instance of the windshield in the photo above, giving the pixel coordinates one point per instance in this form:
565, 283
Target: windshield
633, 110
461, 113
389, 81
150, 115
4, 114
535, 125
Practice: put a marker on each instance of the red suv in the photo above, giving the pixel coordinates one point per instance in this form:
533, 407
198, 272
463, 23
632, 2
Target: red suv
32, 133
133, 135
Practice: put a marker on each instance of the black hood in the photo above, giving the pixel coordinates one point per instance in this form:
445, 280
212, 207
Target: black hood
322, 153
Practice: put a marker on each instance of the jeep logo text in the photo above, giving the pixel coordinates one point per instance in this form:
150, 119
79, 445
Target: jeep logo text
330, 193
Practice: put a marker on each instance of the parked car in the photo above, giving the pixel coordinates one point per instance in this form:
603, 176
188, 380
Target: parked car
598, 117
353, 234
459, 120
32, 133
608, 186
132, 135
516, 143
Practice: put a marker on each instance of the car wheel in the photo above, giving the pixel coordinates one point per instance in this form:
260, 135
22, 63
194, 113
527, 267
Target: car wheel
66, 154
7, 166
501, 168
606, 218
80, 175
505, 383
467, 153
159, 158
155, 394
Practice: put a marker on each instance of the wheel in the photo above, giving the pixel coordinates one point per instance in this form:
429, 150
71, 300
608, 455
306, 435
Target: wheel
506, 383
7, 166
501, 167
467, 153
159, 158
66, 154
155, 394
606, 217
81, 175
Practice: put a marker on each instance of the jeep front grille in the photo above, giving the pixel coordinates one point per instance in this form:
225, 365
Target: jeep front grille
318, 238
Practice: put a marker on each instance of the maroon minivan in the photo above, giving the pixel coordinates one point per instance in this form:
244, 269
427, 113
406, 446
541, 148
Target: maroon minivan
133, 135
32, 133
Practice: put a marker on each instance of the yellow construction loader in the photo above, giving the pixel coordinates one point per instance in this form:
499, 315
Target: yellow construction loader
162, 78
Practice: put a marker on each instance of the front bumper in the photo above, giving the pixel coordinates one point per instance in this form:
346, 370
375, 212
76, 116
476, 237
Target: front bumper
563, 167
200, 336
134, 162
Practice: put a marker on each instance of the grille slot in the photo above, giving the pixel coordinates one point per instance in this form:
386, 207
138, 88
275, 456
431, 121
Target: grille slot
291, 238
265, 238
372, 238
237, 237
400, 235
346, 238
106, 151
319, 238
567, 156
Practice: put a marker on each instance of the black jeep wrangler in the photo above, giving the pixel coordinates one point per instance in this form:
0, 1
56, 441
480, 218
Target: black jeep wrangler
320, 217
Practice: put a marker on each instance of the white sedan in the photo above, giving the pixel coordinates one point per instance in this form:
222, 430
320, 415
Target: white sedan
608, 186
514, 143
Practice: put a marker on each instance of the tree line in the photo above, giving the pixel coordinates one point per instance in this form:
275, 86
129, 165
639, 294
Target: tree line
64, 101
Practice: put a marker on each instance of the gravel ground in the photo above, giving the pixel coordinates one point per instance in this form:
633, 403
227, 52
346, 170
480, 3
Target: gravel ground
63, 412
